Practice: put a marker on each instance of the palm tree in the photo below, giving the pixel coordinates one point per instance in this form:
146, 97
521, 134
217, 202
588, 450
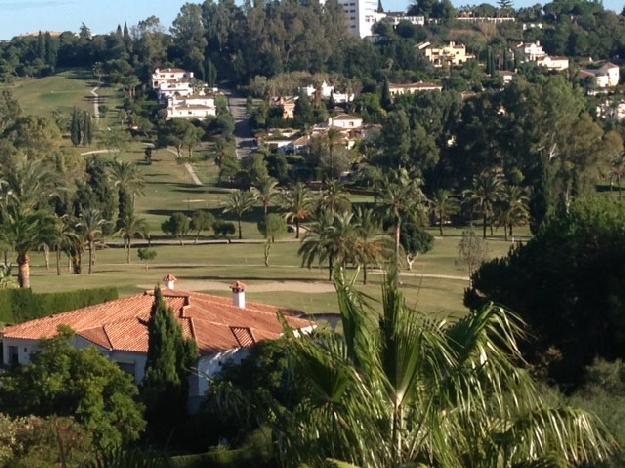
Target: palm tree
297, 203
28, 182
334, 199
400, 197
240, 203
443, 205
399, 388
330, 238
483, 196
24, 230
266, 192
370, 246
512, 208
127, 178
91, 224
62, 238
132, 227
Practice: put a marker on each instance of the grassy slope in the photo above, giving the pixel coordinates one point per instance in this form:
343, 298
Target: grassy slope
169, 189
62, 91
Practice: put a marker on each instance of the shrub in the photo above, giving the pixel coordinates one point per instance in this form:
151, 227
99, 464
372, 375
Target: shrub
21, 305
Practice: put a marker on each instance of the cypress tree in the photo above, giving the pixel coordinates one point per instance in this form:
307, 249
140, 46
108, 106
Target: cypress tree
119, 33
386, 99
86, 129
75, 128
165, 389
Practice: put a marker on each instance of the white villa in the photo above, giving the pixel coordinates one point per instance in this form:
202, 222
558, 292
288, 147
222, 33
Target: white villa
197, 106
533, 52
224, 330
327, 91
175, 87
607, 76
554, 62
451, 54
397, 89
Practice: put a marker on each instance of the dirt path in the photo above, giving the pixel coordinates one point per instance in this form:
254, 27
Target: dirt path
103, 151
96, 102
196, 180
274, 286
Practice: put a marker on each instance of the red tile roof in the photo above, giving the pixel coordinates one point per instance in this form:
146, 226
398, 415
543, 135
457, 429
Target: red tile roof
213, 322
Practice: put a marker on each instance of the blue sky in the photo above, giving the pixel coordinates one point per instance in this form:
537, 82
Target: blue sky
21, 16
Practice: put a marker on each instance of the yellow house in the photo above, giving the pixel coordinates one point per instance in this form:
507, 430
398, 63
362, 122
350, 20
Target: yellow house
451, 54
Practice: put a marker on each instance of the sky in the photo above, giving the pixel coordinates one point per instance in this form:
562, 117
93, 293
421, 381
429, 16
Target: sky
102, 16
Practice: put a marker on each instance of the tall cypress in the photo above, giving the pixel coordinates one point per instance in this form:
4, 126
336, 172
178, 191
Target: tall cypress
165, 389
86, 129
76, 128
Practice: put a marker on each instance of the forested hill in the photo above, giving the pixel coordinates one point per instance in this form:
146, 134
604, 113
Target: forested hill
226, 41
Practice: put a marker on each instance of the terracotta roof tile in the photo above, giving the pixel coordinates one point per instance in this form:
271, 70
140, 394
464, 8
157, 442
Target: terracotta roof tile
213, 322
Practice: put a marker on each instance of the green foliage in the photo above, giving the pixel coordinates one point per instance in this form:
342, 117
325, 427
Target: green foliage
64, 381
224, 228
201, 221
21, 305
177, 225
568, 283
146, 255
415, 241
169, 362
32, 441
405, 389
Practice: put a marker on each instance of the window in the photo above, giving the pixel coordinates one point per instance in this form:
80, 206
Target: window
13, 355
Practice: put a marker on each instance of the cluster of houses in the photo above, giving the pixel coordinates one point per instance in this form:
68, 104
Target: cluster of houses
224, 330
533, 52
350, 130
185, 97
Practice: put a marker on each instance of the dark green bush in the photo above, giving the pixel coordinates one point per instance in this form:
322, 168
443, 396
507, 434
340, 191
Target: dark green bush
21, 305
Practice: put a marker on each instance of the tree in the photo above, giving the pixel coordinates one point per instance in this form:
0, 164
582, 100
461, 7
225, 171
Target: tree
414, 240
64, 381
567, 283
271, 227
401, 198
265, 192
404, 389
240, 203
512, 208
334, 199
24, 230
169, 362
146, 255
76, 128
91, 226
129, 182
189, 36
484, 196
132, 227
443, 206
472, 251
177, 225
332, 237
370, 247
297, 202
224, 229
201, 221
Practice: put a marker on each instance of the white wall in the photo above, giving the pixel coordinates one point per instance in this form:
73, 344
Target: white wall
24, 348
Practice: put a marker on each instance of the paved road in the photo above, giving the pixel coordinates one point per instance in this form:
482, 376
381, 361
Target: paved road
96, 102
242, 132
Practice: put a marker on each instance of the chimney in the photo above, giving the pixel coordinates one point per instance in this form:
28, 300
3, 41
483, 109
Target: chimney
238, 294
170, 281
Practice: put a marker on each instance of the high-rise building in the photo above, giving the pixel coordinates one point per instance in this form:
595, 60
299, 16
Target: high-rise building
360, 15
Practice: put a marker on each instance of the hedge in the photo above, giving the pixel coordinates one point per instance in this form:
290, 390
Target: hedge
21, 305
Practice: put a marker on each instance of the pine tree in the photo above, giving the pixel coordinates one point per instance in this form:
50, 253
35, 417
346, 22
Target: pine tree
75, 128
170, 356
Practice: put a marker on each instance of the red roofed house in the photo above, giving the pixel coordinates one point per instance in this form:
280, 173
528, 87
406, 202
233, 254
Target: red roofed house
223, 329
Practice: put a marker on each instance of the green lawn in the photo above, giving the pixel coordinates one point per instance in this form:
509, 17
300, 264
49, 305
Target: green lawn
212, 267
169, 188
63, 92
